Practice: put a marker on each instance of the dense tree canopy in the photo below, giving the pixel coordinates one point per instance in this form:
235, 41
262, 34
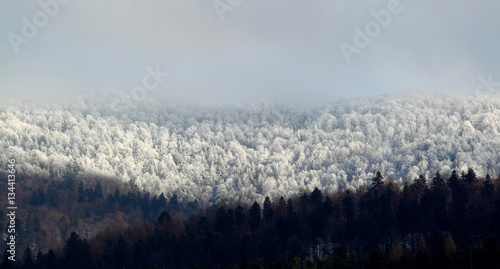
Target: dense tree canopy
449, 222
252, 151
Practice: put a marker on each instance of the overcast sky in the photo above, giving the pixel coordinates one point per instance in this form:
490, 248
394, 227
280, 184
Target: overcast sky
246, 51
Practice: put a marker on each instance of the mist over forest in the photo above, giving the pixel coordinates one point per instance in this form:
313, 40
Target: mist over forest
248, 152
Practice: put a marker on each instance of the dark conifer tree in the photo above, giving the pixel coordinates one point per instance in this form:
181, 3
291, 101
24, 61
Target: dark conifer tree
471, 176
419, 186
439, 197
145, 204
172, 203
52, 196
51, 260
268, 211
98, 190
281, 207
121, 254
290, 211
76, 253
328, 207
140, 256
488, 191
81, 193
377, 184
230, 218
254, 216
37, 197
89, 194
221, 220
454, 181
459, 199
239, 216
316, 198
40, 261
348, 207
28, 262
203, 226
438, 182
118, 197
162, 224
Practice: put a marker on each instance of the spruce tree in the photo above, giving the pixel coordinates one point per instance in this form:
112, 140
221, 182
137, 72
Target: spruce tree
377, 184
268, 209
254, 215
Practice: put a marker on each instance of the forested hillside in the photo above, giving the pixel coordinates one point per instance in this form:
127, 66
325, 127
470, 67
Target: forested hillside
247, 152
447, 221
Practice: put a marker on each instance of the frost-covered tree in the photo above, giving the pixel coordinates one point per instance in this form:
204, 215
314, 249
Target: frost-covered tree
248, 152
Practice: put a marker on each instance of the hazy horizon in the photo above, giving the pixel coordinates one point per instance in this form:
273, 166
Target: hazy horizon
247, 51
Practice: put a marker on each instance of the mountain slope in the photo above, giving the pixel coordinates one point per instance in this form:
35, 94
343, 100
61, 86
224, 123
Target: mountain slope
253, 151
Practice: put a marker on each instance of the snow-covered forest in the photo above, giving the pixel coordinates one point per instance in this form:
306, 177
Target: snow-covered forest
249, 152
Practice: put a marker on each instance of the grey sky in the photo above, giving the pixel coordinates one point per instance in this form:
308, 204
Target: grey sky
262, 51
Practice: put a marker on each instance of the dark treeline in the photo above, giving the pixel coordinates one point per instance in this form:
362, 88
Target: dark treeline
446, 222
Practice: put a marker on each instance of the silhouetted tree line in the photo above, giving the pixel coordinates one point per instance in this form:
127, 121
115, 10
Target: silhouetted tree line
444, 222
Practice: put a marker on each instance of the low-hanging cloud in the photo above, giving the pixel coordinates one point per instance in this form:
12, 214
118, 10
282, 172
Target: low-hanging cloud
261, 51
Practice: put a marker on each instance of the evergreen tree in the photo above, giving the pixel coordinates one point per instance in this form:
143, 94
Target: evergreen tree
98, 190
52, 196
268, 209
81, 193
76, 253
117, 196
254, 215
316, 198
459, 200
140, 256
438, 200
230, 218
145, 204
471, 176
37, 197
172, 203
51, 260
348, 207
239, 216
290, 212
454, 181
328, 207
377, 183
438, 182
162, 224
121, 254
221, 220
488, 191
419, 186
40, 261
281, 207
28, 262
